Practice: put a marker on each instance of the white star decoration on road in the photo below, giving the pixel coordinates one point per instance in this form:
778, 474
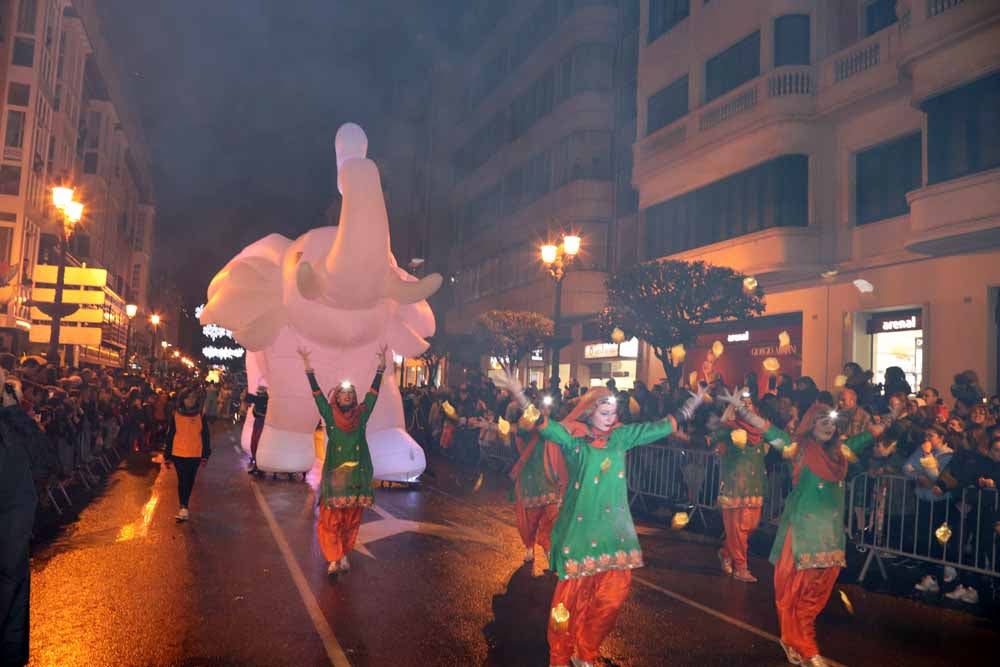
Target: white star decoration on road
373, 531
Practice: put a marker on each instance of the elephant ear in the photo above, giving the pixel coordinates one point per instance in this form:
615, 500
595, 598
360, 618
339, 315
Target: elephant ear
246, 295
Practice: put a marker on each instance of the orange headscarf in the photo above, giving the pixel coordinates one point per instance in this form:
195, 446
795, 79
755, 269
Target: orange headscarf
577, 422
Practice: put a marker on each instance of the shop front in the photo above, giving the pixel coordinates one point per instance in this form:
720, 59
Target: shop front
892, 338
765, 346
612, 361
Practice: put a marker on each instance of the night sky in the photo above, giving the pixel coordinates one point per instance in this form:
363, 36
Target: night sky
240, 101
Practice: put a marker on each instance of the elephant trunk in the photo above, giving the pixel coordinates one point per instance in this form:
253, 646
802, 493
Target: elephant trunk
357, 266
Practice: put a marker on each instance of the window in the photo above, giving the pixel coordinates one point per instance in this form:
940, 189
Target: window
136, 277
592, 64
6, 240
10, 180
963, 130
90, 163
772, 194
24, 52
139, 234
81, 244
26, 16
19, 94
14, 137
791, 40
885, 174
666, 106
665, 14
879, 14
733, 67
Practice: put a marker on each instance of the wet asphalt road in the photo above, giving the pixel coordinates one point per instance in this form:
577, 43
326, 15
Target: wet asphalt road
440, 582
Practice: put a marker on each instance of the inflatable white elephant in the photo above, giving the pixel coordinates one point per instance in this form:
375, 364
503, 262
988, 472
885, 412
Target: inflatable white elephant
338, 292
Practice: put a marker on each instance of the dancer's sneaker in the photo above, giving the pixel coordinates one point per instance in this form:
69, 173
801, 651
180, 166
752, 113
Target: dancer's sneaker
927, 585
529, 554
816, 661
791, 654
333, 567
745, 576
956, 594
183, 514
950, 574
726, 562
345, 565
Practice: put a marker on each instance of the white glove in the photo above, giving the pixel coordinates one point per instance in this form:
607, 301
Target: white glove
691, 405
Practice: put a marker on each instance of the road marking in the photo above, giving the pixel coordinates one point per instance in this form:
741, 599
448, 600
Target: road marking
649, 584
323, 629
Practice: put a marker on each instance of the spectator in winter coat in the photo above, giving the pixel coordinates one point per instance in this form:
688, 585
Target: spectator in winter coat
895, 382
861, 382
967, 392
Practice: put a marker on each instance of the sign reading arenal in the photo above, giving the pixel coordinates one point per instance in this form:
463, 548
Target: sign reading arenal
900, 320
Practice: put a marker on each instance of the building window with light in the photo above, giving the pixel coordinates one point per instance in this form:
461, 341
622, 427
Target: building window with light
884, 174
19, 94
6, 240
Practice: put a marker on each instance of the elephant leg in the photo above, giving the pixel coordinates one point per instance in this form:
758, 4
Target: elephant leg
285, 451
396, 456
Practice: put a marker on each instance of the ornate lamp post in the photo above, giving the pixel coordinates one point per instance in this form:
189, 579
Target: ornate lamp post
557, 259
130, 311
71, 212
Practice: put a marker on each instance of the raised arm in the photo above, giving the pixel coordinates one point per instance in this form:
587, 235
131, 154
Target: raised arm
637, 435
372, 394
321, 403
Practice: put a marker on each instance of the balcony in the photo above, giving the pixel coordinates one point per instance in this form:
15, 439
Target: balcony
957, 216
784, 93
773, 255
863, 69
944, 43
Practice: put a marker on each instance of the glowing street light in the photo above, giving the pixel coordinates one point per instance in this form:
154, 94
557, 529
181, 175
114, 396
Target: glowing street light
131, 309
154, 319
71, 212
557, 259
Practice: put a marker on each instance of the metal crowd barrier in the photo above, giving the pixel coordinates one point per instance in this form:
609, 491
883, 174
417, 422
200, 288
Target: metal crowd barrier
80, 459
893, 515
500, 451
674, 474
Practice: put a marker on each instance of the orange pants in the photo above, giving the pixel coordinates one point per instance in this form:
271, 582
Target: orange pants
535, 524
800, 596
337, 530
739, 523
593, 603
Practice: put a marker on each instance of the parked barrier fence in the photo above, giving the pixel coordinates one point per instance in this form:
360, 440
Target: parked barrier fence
885, 515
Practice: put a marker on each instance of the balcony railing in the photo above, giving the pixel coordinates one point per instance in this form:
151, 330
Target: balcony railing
936, 7
859, 59
791, 81
730, 107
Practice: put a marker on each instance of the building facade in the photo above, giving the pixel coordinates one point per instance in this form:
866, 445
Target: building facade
846, 153
66, 120
532, 124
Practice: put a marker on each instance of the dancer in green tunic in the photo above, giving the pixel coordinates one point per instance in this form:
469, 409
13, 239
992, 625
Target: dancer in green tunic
346, 483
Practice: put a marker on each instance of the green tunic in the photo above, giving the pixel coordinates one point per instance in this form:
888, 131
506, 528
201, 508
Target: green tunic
742, 472
534, 488
594, 532
814, 512
347, 468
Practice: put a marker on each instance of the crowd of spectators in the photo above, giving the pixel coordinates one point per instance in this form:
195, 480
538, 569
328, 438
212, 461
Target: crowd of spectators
86, 417
947, 443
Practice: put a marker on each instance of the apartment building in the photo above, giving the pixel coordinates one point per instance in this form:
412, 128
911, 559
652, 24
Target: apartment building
846, 153
66, 121
532, 124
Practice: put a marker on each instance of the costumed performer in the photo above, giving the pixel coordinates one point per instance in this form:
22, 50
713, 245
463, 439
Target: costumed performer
539, 484
741, 448
594, 543
346, 482
808, 551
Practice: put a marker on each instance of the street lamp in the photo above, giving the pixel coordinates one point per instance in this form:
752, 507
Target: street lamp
71, 212
557, 259
130, 311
